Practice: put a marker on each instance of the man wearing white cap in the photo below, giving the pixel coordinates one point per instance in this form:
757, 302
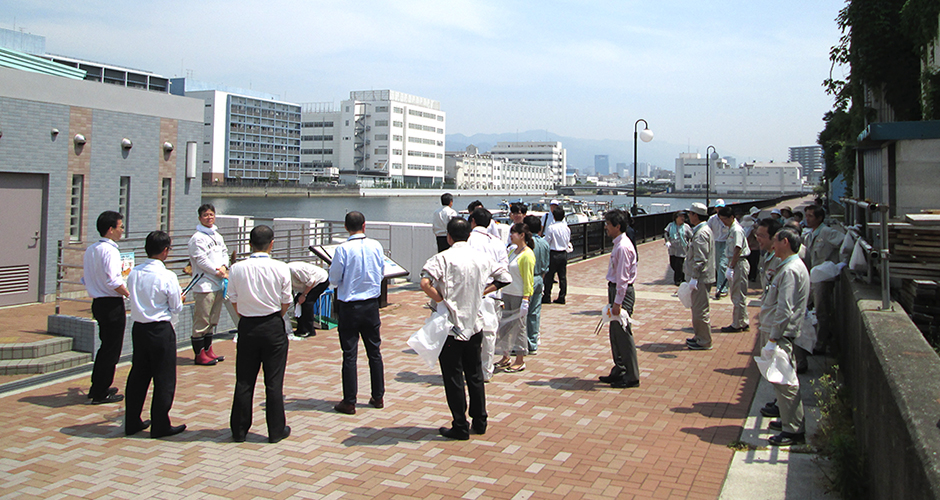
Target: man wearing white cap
720, 233
699, 269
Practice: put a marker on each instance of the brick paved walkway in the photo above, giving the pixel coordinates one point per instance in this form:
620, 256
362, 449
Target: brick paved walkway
554, 431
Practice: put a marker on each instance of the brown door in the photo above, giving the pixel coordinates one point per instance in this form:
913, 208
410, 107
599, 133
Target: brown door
21, 198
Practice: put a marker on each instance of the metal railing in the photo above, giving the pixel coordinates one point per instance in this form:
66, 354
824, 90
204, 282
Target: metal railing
864, 212
289, 245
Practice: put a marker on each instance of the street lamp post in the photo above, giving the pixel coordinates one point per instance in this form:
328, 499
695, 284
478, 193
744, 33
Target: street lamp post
646, 136
708, 170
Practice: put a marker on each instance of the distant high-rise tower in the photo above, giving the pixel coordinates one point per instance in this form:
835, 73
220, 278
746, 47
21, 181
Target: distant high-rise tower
602, 164
622, 170
811, 158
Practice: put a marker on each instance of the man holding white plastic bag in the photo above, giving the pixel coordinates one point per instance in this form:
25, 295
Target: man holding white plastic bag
621, 274
784, 307
699, 269
456, 279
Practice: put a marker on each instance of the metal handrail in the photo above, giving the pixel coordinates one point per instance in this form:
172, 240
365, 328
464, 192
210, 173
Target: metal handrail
883, 252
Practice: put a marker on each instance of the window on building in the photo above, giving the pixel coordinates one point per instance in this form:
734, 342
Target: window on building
165, 192
75, 208
396, 138
381, 151
381, 123
381, 137
381, 109
398, 124
398, 110
396, 152
124, 201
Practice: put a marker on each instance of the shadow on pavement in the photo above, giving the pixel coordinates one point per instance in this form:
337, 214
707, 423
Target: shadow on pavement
734, 372
716, 409
72, 397
371, 436
717, 434
661, 347
568, 384
310, 404
107, 429
414, 378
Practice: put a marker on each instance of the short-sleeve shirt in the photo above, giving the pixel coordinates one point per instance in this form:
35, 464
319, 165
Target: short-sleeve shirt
259, 285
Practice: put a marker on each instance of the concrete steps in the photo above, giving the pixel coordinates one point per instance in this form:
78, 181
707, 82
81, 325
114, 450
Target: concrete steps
42, 356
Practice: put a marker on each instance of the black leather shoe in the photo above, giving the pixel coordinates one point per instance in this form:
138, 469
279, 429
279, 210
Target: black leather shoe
451, 433
770, 411
344, 407
787, 439
110, 398
284, 435
377, 403
478, 427
623, 384
172, 431
131, 430
559, 301
606, 378
775, 425
238, 439
111, 390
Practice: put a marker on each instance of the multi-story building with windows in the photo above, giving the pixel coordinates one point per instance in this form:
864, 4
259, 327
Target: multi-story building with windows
811, 159
690, 172
601, 164
471, 170
249, 135
376, 137
751, 178
551, 154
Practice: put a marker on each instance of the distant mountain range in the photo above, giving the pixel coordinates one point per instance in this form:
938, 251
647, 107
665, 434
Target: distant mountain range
580, 151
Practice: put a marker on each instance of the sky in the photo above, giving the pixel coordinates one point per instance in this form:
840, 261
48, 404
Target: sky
742, 75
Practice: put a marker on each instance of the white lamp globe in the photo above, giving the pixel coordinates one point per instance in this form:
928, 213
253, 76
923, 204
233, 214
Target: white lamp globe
646, 135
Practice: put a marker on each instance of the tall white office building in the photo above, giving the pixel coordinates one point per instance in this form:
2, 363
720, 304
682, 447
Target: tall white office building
812, 161
376, 138
536, 153
249, 135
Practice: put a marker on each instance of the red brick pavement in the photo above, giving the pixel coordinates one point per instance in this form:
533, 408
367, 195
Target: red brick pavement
554, 432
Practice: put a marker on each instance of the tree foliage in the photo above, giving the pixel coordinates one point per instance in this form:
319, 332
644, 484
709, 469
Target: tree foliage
882, 45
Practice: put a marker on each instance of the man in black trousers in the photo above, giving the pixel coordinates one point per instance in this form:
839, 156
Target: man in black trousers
155, 297
260, 289
103, 280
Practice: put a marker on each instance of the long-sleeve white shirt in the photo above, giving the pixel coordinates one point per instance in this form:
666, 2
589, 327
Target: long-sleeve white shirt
155, 293
102, 269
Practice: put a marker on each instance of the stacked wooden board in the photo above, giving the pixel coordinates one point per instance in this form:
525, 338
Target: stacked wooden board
921, 300
915, 247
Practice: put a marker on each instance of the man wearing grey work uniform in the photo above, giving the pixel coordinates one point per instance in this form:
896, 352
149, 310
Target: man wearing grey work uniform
785, 302
699, 269
736, 252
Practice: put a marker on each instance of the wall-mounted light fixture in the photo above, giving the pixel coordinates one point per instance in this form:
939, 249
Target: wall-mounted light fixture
54, 131
168, 146
191, 160
126, 143
79, 139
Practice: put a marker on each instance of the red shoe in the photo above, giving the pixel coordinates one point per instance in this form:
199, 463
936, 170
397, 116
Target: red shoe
213, 356
203, 359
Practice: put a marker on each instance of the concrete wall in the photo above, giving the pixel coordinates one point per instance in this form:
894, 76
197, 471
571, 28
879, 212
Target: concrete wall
892, 375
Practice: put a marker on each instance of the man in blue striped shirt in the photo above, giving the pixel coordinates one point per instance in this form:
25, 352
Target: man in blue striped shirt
356, 271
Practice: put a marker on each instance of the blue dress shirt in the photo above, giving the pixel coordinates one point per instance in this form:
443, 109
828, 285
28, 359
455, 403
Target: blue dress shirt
358, 268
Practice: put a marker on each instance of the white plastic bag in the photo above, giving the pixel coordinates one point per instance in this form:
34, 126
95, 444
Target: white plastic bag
827, 271
685, 294
859, 261
807, 338
774, 365
429, 339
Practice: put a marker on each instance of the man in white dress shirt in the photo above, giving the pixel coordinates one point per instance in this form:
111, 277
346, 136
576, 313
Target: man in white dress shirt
105, 284
155, 297
482, 240
441, 218
558, 236
260, 290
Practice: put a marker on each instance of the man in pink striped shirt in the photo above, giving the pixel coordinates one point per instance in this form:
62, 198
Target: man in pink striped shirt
621, 274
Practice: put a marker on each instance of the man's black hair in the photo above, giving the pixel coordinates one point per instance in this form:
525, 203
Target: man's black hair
481, 217
558, 213
260, 237
354, 221
792, 236
458, 229
725, 212
772, 225
156, 243
616, 218
107, 220
473, 205
518, 208
534, 223
447, 199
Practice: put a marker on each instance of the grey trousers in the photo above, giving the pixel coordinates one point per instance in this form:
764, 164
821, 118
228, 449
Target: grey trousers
739, 293
622, 345
701, 321
788, 396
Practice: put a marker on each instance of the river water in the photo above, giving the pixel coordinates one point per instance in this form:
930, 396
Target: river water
404, 208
